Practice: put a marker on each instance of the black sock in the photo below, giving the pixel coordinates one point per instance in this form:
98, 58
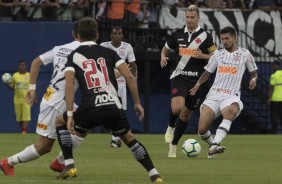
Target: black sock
141, 154
172, 119
65, 141
179, 131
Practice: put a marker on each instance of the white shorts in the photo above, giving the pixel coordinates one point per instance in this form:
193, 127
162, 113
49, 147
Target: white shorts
217, 103
46, 125
122, 95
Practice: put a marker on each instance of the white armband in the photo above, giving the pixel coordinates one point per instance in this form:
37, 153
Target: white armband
32, 86
69, 113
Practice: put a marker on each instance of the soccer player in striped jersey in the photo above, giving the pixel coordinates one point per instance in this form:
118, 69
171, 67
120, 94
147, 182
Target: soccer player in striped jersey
93, 67
52, 104
125, 52
194, 47
224, 95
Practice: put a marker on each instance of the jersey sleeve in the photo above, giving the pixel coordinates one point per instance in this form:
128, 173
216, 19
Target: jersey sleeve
130, 56
250, 62
117, 59
48, 57
70, 65
103, 44
211, 47
171, 43
212, 64
272, 80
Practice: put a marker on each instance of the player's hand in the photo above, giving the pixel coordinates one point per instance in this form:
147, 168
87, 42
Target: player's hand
194, 89
117, 74
139, 111
70, 124
31, 97
197, 54
252, 84
164, 61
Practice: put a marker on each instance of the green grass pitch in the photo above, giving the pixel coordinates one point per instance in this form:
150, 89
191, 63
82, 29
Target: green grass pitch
249, 159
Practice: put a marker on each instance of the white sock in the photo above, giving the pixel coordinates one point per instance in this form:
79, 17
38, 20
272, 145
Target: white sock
28, 154
207, 137
153, 172
222, 131
115, 138
69, 161
76, 140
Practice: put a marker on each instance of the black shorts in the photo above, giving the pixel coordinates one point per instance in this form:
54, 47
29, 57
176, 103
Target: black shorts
114, 120
180, 87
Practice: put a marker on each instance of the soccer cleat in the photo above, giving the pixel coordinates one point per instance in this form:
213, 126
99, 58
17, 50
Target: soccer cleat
169, 134
56, 166
116, 143
68, 172
215, 149
6, 168
156, 178
172, 151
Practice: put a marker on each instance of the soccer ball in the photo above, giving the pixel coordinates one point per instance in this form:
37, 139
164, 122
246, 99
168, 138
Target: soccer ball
191, 148
7, 78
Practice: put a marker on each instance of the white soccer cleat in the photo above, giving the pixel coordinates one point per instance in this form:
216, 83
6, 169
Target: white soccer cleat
169, 134
172, 151
215, 149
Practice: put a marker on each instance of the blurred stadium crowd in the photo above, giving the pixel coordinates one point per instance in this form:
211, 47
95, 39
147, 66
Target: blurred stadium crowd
133, 13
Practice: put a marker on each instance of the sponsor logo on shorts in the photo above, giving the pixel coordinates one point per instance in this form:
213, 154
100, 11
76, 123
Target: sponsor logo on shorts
42, 126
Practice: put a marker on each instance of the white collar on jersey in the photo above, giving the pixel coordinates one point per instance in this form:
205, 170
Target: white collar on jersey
197, 29
88, 43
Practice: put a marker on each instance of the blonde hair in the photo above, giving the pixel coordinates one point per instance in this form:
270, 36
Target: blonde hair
193, 8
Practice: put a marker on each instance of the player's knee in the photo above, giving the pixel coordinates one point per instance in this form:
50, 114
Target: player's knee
60, 120
127, 138
176, 110
184, 118
202, 130
43, 149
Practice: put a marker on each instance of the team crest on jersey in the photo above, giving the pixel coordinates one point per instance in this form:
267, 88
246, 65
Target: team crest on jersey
121, 52
236, 58
198, 40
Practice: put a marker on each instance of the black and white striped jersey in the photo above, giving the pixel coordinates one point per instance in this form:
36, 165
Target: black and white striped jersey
185, 43
94, 70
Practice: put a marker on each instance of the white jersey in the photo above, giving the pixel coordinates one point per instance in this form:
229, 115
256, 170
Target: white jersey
55, 93
125, 51
230, 69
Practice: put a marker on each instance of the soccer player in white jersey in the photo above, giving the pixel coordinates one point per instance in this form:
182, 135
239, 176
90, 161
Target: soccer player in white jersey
125, 51
52, 104
224, 95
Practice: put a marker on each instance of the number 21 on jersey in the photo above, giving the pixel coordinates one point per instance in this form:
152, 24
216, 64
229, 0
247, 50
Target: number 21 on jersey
93, 75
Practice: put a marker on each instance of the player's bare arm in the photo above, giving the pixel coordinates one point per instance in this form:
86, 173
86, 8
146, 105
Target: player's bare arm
204, 77
69, 96
253, 81
132, 85
200, 55
164, 57
34, 71
10, 85
133, 68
